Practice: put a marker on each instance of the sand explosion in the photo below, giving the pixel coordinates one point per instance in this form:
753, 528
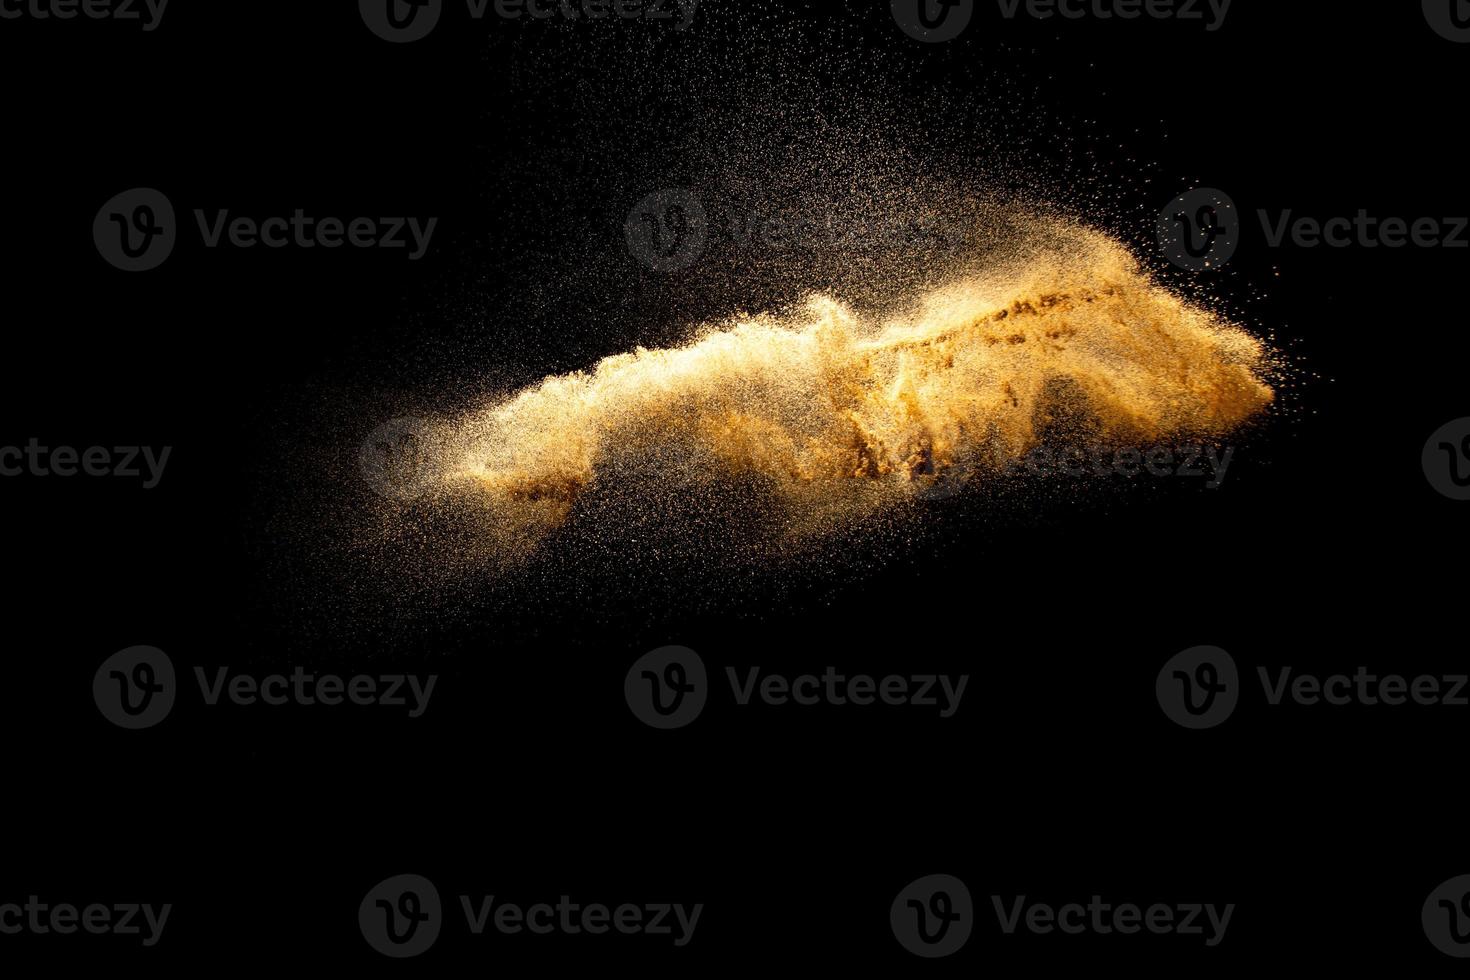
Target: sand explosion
833, 415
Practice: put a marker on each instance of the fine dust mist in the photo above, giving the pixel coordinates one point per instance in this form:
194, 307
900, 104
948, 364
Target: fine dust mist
830, 416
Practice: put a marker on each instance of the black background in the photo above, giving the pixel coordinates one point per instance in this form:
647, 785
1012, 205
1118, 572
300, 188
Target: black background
528, 779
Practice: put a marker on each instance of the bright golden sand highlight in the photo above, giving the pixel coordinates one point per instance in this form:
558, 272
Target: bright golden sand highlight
836, 416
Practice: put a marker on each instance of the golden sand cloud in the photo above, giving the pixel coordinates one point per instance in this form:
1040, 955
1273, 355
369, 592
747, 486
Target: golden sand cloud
836, 415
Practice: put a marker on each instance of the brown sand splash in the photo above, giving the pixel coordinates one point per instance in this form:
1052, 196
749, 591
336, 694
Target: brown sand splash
836, 416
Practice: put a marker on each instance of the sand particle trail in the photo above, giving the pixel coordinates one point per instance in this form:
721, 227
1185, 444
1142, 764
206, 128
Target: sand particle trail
835, 415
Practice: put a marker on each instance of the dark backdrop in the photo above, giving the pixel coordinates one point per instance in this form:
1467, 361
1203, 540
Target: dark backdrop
1060, 778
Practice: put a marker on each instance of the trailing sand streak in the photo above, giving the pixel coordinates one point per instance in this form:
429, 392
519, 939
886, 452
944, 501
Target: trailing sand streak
837, 416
